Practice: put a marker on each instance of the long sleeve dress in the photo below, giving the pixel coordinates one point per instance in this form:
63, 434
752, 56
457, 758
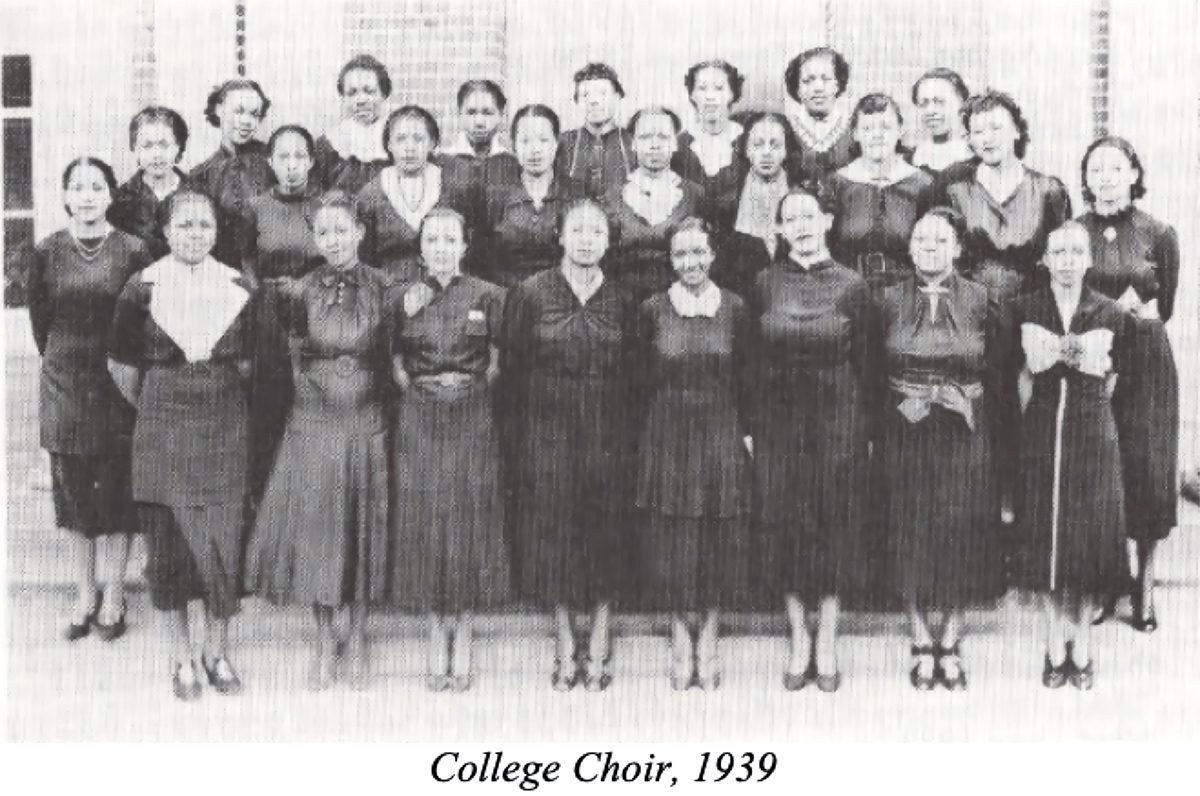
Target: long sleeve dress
190, 442
597, 163
639, 258
84, 423
349, 155
393, 244
1071, 507
745, 220
873, 223
521, 237
232, 179
321, 534
710, 161
694, 474
279, 243
944, 359
569, 364
135, 210
1133, 250
810, 429
1006, 240
448, 551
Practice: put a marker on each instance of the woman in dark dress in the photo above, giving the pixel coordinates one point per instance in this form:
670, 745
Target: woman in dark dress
75, 276
393, 204
1009, 208
938, 95
648, 206
279, 247
707, 153
694, 467
322, 528
448, 556
598, 155
943, 362
240, 169
746, 215
480, 142
351, 153
522, 218
157, 137
180, 352
1136, 262
877, 197
816, 81
567, 339
1074, 343
810, 432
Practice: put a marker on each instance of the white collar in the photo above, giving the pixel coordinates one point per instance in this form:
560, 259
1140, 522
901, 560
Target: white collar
820, 134
808, 262
389, 181
653, 198
714, 150
937, 156
363, 142
462, 146
690, 305
999, 185
858, 171
582, 281
194, 304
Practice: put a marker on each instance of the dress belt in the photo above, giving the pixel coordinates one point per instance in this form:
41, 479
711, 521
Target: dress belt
343, 364
919, 396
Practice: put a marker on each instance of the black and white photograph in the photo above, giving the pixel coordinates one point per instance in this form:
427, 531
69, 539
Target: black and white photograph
494, 373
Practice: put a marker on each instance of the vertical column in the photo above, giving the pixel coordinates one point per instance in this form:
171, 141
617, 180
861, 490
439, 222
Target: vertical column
1101, 103
145, 67
240, 37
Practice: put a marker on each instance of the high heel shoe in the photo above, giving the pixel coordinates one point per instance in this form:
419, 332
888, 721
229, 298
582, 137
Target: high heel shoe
683, 664
1083, 677
77, 629
116, 629
797, 682
566, 673
190, 690
1142, 621
1055, 677
708, 670
959, 681
914, 675
597, 674
222, 676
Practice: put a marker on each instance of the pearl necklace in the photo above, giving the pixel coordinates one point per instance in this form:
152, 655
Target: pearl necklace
89, 253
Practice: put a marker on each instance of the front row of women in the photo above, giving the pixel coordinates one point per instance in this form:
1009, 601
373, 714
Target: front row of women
768, 402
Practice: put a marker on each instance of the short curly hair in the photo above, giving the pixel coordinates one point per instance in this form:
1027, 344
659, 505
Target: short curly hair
990, 100
598, 71
219, 93
1138, 190
733, 77
366, 63
841, 70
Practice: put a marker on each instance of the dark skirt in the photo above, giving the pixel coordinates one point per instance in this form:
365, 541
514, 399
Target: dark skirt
271, 388
92, 493
697, 563
811, 462
1146, 405
1071, 537
574, 493
941, 508
321, 532
194, 553
447, 550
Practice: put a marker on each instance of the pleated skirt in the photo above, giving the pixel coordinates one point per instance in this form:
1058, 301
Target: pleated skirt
447, 551
321, 533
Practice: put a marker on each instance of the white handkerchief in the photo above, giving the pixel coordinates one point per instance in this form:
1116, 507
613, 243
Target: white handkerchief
194, 305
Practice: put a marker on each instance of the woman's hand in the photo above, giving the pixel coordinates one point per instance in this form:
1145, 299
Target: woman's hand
1130, 301
128, 380
400, 375
1025, 388
1149, 311
748, 441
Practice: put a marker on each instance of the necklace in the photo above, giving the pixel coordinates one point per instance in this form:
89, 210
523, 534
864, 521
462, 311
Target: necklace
411, 205
89, 253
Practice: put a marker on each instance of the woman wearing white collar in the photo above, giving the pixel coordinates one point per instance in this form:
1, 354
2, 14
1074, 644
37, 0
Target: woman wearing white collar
1075, 343
648, 206
694, 470
393, 204
481, 106
938, 95
180, 352
816, 81
707, 151
353, 151
878, 196
810, 434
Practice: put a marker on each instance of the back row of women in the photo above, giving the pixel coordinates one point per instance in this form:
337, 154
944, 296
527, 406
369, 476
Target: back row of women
774, 358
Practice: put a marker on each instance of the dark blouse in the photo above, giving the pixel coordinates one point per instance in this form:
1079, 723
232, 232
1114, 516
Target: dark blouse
1140, 252
688, 165
810, 318
639, 258
279, 234
348, 174
596, 163
1011, 234
521, 238
454, 332
135, 210
389, 243
232, 179
137, 340
872, 223
71, 304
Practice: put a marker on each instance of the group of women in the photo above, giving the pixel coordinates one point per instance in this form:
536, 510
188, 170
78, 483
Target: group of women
775, 358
